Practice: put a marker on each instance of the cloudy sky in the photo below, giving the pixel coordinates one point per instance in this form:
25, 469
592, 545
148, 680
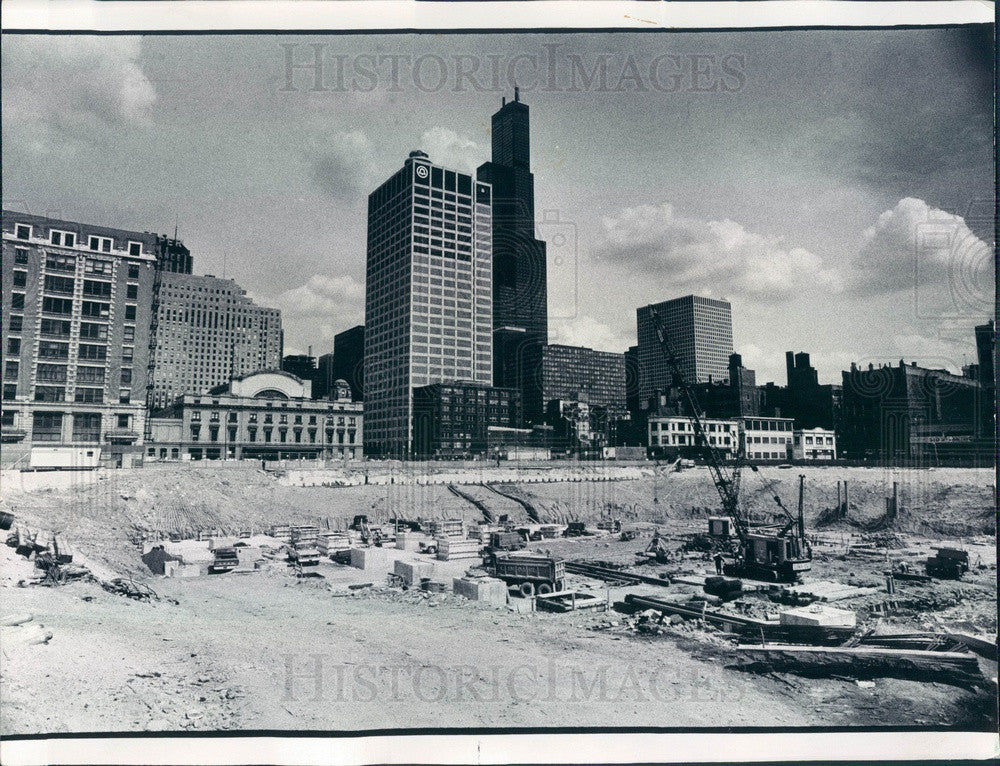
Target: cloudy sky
835, 186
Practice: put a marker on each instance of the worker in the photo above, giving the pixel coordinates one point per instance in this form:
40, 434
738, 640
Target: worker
718, 563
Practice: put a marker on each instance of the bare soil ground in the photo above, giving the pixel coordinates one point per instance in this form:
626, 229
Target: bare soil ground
266, 651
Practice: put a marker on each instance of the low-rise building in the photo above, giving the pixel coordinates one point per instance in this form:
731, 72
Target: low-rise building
452, 420
768, 438
814, 444
266, 415
674, 435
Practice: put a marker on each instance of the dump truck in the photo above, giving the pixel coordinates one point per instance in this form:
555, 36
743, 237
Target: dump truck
506, 541
948, 563
529, 573
226, 560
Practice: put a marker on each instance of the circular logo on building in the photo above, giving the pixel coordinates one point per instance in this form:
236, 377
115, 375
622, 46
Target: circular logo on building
422, 171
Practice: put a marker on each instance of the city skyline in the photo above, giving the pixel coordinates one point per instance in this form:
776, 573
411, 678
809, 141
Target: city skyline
811, 223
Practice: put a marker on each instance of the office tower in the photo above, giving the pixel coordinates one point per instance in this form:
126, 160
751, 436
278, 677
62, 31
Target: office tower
453, 420
172, 256
302, 366
428, 294
207, 332
520, 313
566, 372
323, 382
77, 303
349, 360
700, 332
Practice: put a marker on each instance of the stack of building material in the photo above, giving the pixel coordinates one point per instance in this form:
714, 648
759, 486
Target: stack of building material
329, 543
282, 532
306, 533
819, 616
487, 589
413, 572
447, 528
823, 590
450, 548
369, 558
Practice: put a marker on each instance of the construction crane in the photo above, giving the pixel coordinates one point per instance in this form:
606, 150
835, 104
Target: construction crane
763, 552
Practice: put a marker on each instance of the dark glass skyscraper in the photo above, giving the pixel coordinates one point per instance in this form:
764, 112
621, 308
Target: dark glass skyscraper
520, 313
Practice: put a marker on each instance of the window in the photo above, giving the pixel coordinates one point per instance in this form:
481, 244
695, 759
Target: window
63, 238
90, 331
99, 268
87, 427
86, 375
9, 391
130, 313
13, 345
100, 244
232, 417
52, 373
94, 289
46, 426
129, 334
195, 416
89, 395
20, 255
253, 417
90, 351
134, 248
55, 327
214, 417
16, 322
20, 279
126, 376
123, 420
22, 231
57, 305
56, 284
232, 434
11, 370
132, 292
60, 263
7, 421
124, 396
48, 349
133, 272
96, 310
17, 301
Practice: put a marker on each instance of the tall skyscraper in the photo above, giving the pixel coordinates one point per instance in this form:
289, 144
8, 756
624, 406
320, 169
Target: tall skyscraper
520, 312
428, 294
77, 304
349, 360
207, 332
700, 332
569, 372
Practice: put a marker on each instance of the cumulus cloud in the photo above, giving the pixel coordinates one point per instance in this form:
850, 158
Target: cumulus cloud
714, 257
927, 252
587, 331
321, 308
343, 163
448, 148
62, 79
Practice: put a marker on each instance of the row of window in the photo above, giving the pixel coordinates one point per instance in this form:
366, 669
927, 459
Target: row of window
24, 231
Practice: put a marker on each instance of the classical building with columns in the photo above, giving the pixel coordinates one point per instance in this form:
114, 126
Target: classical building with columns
267, 415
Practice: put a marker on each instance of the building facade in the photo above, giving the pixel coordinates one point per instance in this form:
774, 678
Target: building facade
428, 294
349, 360
267, 415
77, 310
768, 438
520, 302
452, 420
674, 436
563, 372
814, 444
906, 412
208, 331
700, 332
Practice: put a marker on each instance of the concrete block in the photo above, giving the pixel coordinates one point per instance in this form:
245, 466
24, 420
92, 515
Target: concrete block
221, 542
413, 572
369, 558
486, 589
248, 555
818, 615
410, 541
